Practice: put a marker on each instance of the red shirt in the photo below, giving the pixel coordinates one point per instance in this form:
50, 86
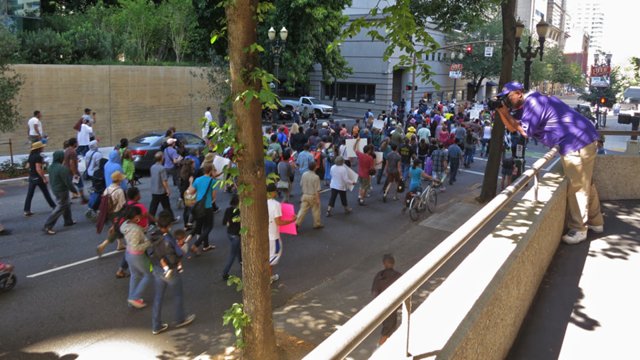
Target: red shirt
365, 163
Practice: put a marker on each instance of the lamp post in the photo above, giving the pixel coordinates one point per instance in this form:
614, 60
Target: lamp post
277, 46
455, 79
530, 53
599, 62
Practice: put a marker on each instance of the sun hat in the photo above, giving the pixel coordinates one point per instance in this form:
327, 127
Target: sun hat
171, 141
37, 145
509, 87
117, 176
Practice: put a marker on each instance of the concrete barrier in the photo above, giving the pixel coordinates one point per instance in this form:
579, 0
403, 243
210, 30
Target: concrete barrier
128, 100
476, 313
617, 177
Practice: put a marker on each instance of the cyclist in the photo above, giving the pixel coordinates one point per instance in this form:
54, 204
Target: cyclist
416, 174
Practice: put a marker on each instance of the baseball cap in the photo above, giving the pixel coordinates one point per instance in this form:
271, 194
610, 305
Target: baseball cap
509, 87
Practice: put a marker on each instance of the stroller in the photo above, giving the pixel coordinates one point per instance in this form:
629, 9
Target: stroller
7, 278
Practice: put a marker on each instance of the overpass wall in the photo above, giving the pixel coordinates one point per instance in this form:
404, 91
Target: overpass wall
128, 100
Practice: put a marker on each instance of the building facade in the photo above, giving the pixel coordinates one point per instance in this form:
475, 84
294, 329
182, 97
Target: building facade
376, 83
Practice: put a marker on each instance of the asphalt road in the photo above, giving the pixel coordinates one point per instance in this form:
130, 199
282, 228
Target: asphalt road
81, 309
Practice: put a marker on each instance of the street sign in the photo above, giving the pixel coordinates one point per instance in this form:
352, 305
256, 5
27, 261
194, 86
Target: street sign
488, 51
455, 67
600, 70
455, 74
600, 81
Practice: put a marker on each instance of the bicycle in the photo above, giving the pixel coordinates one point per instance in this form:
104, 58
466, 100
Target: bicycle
425, 200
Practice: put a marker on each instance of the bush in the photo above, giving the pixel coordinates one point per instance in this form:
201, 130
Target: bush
45, 46
89, 44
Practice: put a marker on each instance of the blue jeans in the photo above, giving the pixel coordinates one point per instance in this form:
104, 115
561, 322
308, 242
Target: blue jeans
175, 283
140, 274
234, 252
453, 170
405, 170
468, 155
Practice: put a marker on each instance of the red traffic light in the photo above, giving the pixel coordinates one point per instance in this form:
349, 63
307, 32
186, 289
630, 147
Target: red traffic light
603, 100
469, 49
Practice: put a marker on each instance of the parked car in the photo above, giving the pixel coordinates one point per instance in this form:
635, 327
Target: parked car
282, 115
307, 105
144, 147
585, 110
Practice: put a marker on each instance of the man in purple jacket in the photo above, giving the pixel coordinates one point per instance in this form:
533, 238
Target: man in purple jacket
555, 123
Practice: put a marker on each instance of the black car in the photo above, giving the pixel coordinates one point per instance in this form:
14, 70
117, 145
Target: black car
144, 147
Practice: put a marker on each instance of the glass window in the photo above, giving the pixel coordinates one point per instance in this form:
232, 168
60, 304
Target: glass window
306, 101
189, 139
147, 139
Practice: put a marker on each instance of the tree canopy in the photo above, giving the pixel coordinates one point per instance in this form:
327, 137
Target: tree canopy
10, 82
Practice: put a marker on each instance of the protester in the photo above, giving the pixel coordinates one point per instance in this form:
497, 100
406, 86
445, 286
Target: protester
231, 220
366, 167
84, 137
392, 172
37, 178
71, 163
381, 282
114, 164
160, 190
285, 174
310, 184
187, 174
340, 182
92, 159
35, 132
275, 220
61, 185
454, 158
439, 163
115, 194
135, 255
172, 160
166, 247
555, 123
304, 159
204, 187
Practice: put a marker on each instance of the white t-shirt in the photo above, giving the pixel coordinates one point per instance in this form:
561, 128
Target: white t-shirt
275, 210
205, 127
32, 126
84, 135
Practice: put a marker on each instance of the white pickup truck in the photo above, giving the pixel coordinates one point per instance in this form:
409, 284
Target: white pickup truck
306, 105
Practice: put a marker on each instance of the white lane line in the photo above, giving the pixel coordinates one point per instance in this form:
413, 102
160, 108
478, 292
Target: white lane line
72, 264
471, 172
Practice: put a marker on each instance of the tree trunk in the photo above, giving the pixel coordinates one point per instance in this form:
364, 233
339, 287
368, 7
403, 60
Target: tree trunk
490, 181
259, 335
476, 87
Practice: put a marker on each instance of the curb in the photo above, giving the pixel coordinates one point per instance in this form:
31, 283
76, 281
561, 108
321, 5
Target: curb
7, 181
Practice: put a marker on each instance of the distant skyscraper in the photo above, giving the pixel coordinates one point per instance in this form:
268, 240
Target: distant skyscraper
589, 16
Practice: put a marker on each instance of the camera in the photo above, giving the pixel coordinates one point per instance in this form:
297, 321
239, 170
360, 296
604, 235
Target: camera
495, 103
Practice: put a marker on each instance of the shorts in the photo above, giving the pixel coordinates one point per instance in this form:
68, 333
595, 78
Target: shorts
275, 251
393, 177
365, 183
507, 172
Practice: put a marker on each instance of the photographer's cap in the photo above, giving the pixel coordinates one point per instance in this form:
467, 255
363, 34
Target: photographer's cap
509, 87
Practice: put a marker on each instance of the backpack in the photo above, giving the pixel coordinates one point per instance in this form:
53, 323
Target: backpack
78, 125
107, 207
160, 249
317, 156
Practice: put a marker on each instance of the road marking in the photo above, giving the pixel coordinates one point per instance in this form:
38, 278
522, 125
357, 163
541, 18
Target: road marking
72, 264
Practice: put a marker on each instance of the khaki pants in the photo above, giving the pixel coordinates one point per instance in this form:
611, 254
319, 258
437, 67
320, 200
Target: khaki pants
309, 201
583, 203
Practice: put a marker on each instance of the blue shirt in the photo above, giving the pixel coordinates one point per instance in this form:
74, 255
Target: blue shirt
196, 162
170, 154
454, 153
200, 184
269, 167
415, 175
553, 122
304, 159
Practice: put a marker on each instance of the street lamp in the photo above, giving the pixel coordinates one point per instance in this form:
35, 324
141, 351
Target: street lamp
460, 56
277, 46
541, 28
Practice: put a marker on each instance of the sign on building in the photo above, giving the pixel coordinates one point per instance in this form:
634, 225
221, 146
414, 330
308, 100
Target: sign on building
455, 71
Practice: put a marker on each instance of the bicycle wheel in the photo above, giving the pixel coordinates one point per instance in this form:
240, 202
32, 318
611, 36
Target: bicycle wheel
422, 206
413, 208
432, 199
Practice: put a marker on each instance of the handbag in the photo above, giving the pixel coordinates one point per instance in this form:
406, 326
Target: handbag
199, 209
428, 165
400, 186
189, 198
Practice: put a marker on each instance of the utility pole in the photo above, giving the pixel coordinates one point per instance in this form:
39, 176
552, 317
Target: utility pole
413, 82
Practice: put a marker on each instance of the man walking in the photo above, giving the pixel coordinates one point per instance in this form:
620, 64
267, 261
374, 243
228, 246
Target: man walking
275, 220
61, 185
71, 163
159, 183
439, 163
304, 159
35, 132
37, 177
392, 172
365, 167
310, 184
171, 160
455, 155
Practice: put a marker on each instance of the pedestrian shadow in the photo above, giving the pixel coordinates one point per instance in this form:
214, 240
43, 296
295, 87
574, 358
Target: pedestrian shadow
23, 355
189, 344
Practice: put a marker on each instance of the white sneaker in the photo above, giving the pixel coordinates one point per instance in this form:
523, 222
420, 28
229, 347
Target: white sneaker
275, 278
598, 229
574, 237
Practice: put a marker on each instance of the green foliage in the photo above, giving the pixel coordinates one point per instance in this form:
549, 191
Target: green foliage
447, 15
10, 82
45, 47
477, 67
142, 24
613, 93
179, 17
312, 25
235, 315
89, 43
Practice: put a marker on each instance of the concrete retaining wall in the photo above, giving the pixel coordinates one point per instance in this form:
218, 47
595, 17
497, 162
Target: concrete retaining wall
617, 177
128, 100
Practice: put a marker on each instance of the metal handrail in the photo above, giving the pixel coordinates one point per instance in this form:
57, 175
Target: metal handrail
348, 336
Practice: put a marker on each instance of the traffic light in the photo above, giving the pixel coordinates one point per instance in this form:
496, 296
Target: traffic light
469, 49
603, 100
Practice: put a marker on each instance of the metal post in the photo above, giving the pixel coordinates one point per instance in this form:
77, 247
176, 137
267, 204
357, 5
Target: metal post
453, 97
335, 95
413, 84
11, 151
406, 322
527, 65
